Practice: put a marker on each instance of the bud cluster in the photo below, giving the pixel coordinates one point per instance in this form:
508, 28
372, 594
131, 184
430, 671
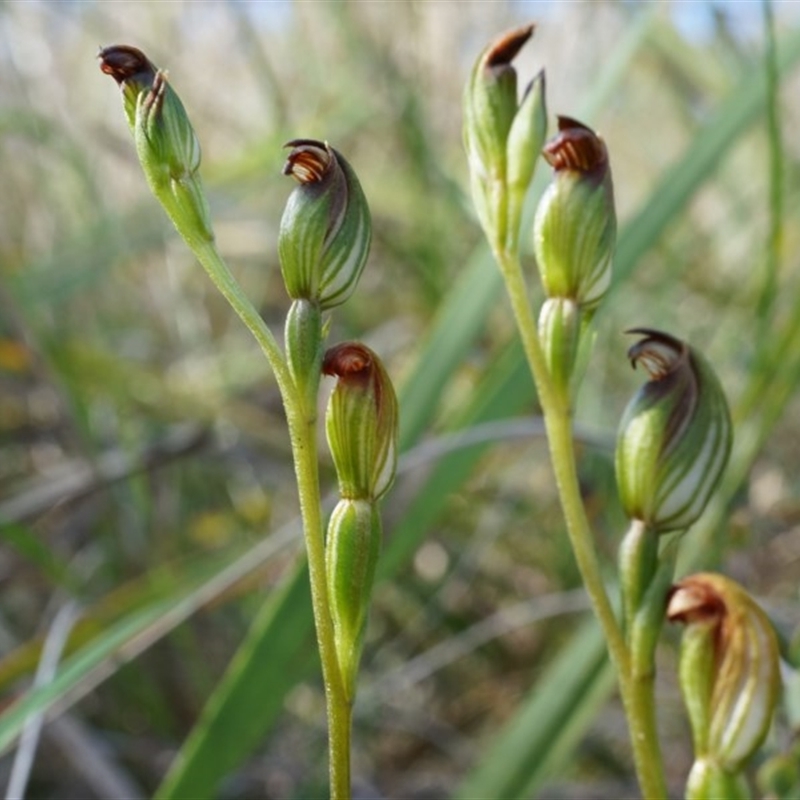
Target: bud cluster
503, 136
166, 143
729, 676
361, 425
323, 244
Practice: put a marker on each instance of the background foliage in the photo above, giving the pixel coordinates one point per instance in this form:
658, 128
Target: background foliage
146, 497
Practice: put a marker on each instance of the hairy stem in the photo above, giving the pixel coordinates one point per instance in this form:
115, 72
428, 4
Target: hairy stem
301, 418
636, 686
304, 448
206, 252
562, 453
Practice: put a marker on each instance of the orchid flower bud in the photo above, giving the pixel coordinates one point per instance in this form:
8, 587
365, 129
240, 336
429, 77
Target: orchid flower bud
351, 555
729, 676
304, 338
560, 332
166, 143
526, 137
361, 421
675, 435
575, 228
502, 136
325, 230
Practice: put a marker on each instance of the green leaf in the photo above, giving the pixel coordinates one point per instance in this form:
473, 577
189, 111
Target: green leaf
79, 669
277, 653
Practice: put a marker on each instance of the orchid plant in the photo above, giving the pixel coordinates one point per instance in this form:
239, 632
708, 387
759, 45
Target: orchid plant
674, 438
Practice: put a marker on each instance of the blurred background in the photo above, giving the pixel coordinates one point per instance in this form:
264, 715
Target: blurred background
147, 502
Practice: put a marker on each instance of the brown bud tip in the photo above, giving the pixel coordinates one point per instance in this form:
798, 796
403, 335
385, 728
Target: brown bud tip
504, 50
659, 353
694, 600
348, 360
123, 62
575, 147
309, 160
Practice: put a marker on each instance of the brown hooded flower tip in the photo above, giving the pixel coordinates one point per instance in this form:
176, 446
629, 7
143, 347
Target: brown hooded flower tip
575, 147
729, 675
575, 228
504, 50
326, 230
123, 63
309, 160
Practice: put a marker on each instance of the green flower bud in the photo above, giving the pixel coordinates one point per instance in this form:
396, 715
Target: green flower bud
527, 135
304, 347
502, 137
675, 435
575, 228
325, 230
351, 554
166, 143
490, 104
729, 676
361, 421
560, 332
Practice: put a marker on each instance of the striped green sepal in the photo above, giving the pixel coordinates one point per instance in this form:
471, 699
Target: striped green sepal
326, 229
675, 435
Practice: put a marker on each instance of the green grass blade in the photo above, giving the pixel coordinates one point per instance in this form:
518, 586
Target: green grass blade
505, 390
107, 646
745, 105
548, 726
277, 652
459, 321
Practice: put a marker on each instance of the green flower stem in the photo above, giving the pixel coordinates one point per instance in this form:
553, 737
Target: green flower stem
205, 250
636, 694
302, 430
638, 560
559, 430
301, 420
640, 706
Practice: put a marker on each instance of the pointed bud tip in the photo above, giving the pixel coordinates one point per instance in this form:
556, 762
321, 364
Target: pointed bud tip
309, 160
505, 49
539, 78
575, 147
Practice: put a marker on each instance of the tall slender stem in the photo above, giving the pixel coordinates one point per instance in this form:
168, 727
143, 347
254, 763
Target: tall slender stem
639, 689
206, 252
562, 453
304, 448
636, 683
301, 420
